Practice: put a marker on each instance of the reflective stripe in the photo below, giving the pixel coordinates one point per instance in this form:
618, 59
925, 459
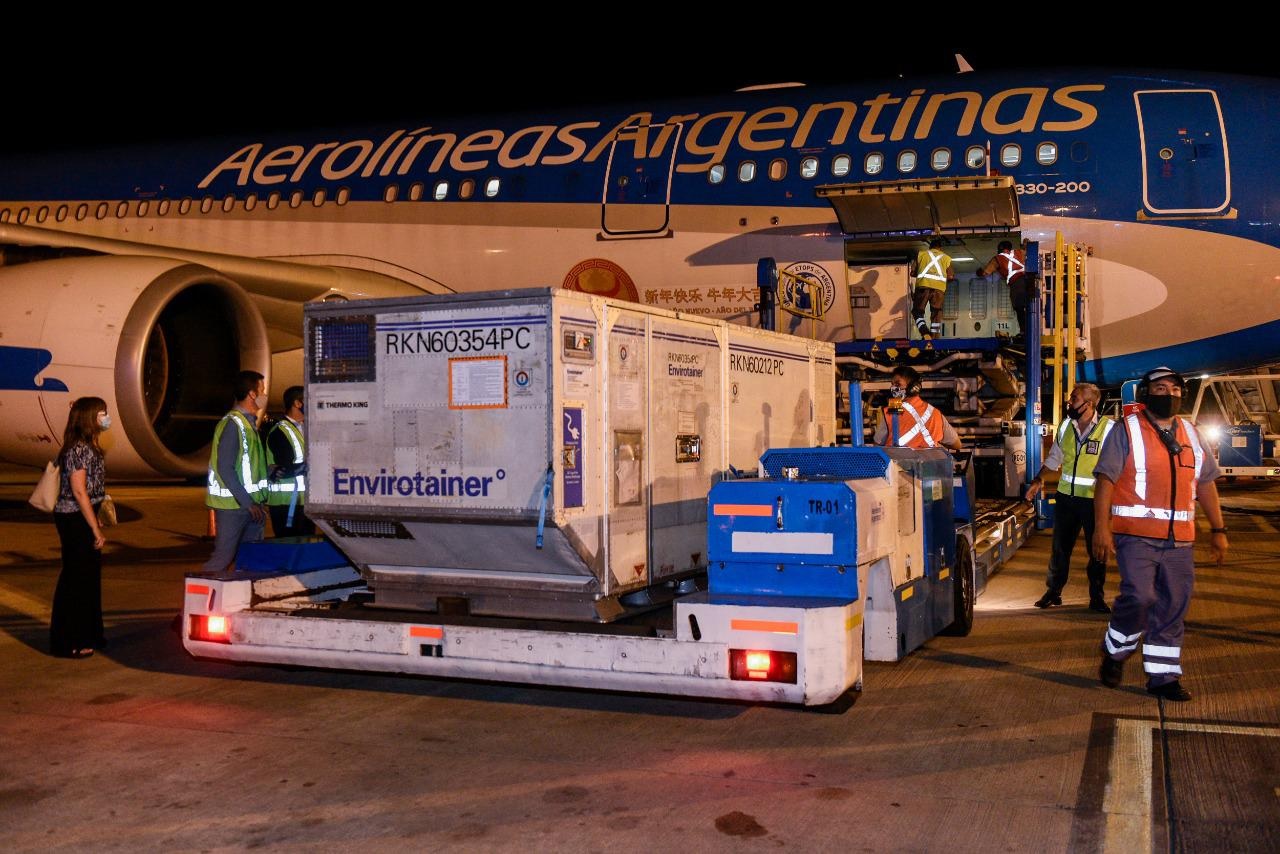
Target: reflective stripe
1107, 428
295, 438
1157, 667
1196, 451
1010, 272
1140, 511
1082, 481
920, 427
287, 485
935, 264
1113, 647
1139, 449
1162, 651
1119, 638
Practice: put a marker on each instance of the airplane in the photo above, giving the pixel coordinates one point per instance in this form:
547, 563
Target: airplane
149, 275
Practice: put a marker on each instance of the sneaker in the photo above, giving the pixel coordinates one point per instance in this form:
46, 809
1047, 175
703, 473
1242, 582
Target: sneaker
1170, 691
1111, 672
1049, 599
1099, 605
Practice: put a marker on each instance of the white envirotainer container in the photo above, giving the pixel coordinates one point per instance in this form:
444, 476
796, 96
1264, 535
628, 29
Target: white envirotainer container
540, 453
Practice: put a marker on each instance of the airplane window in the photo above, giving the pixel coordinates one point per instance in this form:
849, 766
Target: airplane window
295, 198
492, 186
441, 190
42, 214
23, 215
809, 167
777, 169
318, 198
206, 204
122, 209
941, 159
415, 191
163, 208
873, 164
391, 193
1047, 153
228, 202
63, 210
344, 195
975, 157
841, 164
716, 173
907, 161
184, 206
273, 201
101, 212
1079, 151
251, 201
1010, 154
747, 171
143, 207
4, 215
466, 189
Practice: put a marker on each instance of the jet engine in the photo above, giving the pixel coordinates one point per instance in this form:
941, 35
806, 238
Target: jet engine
159, 340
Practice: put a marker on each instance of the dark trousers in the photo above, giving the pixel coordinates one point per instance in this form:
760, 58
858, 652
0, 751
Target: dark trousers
1019, 295
1070, 514
77, 600
1156, 580
923, 297
280, 527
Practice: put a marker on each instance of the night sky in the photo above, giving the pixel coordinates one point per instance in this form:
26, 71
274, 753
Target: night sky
115, 82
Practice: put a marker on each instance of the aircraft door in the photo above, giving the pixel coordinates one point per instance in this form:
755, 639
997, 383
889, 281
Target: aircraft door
637, 180
1185, 164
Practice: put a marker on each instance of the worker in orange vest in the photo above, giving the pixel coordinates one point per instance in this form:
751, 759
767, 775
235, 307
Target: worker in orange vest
1012, 266
1149, 475
910, 422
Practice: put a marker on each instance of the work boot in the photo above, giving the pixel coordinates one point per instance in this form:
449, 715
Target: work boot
1100, 605
1111, 672
1170, 691
1049, 599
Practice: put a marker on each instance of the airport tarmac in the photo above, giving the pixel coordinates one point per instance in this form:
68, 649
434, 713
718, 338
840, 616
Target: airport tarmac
1001, 741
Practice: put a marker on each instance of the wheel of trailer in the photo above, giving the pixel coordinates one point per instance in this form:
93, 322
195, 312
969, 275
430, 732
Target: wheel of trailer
964, 591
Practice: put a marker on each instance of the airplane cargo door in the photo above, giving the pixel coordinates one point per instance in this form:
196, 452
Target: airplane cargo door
637, 187
1186, 169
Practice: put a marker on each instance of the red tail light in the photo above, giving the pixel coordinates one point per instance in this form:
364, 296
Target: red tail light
759, 665
213, 628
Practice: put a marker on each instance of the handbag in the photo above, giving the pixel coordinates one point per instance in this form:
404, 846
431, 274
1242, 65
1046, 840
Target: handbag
107, 512
45, 495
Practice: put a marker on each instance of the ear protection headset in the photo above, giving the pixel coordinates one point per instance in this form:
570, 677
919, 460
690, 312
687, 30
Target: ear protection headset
914, 386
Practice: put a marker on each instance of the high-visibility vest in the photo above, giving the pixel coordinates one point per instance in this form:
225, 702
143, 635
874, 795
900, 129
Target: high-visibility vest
251, 464
280, 491
1011, 264
931, 269
919, 425
1156, 493
1080, 456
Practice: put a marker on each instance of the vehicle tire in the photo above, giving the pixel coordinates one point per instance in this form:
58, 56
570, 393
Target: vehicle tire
964, 591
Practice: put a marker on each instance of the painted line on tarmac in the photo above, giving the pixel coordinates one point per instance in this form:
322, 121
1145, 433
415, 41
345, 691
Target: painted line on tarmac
1128, 804
24, 603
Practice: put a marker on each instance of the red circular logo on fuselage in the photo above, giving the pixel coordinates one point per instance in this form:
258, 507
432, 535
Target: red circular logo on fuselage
601, 278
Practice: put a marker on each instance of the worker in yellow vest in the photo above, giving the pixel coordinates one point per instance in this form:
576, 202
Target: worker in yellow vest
1076, 448
932, 271
1152, 470
286, 447
237, 483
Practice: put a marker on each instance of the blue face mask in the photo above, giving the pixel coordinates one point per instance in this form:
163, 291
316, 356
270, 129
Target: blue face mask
104, 421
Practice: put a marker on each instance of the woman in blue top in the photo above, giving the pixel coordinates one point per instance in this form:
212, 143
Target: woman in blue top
75, 630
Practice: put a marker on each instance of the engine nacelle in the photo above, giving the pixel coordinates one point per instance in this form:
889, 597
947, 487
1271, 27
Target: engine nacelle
159, 340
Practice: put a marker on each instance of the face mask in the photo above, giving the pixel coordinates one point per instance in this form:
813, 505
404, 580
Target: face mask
104, 421
1164, 405
899, 393
1073, 412
260, 401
